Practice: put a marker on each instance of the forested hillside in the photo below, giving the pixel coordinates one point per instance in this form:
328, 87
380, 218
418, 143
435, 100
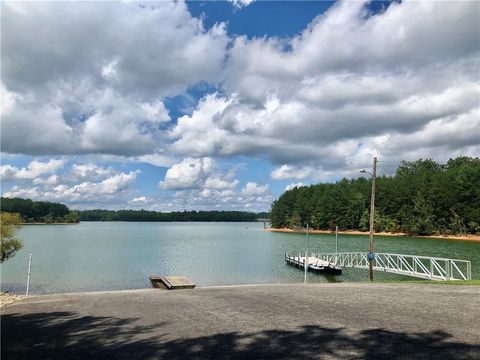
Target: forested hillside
38, 211
422, 198
144, 215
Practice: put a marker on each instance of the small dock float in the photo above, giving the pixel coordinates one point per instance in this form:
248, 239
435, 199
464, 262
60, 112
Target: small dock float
313, 263
171, 282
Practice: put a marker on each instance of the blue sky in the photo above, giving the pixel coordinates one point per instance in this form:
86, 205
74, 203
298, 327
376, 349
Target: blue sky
275, 18
224, 105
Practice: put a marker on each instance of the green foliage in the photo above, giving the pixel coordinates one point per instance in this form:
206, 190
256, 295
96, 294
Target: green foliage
38, 211
294, 221
9, 244
422, 198
47, 212
364, 223
382, 222
72, 217
146, 216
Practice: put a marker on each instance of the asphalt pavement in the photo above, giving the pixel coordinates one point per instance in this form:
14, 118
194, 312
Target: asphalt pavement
323, 321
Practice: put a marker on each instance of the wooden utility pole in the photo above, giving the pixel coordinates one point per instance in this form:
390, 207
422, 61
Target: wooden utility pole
372, 221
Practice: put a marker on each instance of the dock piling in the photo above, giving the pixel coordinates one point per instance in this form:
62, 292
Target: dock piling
28, 274
305, 265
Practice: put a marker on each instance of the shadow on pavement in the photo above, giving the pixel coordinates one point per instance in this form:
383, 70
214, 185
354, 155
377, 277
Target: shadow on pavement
65, 335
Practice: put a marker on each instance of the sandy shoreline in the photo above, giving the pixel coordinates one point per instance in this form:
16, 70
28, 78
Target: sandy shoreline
365, 233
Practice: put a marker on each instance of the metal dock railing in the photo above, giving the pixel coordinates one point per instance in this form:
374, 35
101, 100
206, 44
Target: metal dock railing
424, 267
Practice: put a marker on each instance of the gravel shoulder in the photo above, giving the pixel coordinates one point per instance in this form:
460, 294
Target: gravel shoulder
326, 321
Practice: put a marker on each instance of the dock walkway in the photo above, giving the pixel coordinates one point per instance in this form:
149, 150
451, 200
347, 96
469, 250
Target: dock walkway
422, 267
313, 263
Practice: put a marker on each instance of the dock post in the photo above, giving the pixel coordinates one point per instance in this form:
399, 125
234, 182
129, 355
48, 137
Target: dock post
336, 244
305, 265
28, 274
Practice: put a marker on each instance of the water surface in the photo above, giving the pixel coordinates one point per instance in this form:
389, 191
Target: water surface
95, 256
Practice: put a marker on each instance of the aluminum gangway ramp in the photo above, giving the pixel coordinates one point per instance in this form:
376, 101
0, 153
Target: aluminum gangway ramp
423, 267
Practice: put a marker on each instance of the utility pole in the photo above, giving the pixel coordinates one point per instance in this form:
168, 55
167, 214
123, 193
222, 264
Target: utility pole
307, 250
372, 221
336, 245
336, 239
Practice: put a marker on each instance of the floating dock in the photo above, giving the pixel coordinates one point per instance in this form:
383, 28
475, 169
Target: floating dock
171, 282
313, 263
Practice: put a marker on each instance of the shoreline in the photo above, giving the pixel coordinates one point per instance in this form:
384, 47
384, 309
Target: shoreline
13, 297
366, 233
8, 298
52, 223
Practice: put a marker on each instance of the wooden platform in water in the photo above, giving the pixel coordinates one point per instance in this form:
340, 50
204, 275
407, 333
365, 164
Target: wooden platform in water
171, 282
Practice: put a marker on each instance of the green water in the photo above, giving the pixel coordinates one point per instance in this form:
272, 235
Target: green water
94, 256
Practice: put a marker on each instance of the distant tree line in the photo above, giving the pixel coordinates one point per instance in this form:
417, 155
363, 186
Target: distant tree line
38, 211
422, 198
145, 215
48, 212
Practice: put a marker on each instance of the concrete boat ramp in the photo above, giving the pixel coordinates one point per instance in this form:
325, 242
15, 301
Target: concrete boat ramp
296, 321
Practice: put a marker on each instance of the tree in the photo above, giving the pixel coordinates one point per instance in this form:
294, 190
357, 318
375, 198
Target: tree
71, 217
421, 198
295, 221
9, 245
364, 224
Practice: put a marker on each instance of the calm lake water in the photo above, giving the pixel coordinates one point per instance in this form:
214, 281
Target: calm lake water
94, 256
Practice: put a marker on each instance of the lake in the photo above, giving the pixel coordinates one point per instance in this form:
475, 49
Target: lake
95, 256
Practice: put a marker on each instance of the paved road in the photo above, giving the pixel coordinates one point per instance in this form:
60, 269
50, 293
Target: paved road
326, 321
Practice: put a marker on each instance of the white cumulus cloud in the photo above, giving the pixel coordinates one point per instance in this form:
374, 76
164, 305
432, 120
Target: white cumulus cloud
189, 174
96, 83
83, 184
240, 3
294, 185
324, 101
253, 189
33, 170
317, 105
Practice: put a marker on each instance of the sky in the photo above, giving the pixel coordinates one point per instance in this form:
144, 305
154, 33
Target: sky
224, 105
